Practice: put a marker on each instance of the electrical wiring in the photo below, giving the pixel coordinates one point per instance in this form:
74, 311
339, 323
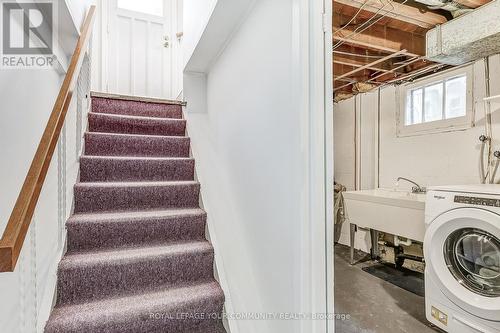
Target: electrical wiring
352, 18
370, 24
401, 65
412, 75
356, 32
409, 62
367, 23
371, 18
377, 17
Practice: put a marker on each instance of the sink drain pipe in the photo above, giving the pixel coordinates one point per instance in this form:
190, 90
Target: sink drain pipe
398, 241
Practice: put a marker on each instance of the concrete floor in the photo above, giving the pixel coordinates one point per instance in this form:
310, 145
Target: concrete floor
373, 305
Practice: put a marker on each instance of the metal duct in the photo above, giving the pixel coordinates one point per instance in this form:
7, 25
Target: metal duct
454, 8
467, 38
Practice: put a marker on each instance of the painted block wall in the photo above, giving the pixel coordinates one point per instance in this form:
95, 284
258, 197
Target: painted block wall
447, 158
355, 122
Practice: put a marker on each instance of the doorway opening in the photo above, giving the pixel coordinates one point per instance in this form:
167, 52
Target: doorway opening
379, 48
143, 40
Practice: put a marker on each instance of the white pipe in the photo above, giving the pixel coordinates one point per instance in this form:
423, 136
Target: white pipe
398, 241
493, 176
482, 172
491, 98
487, 110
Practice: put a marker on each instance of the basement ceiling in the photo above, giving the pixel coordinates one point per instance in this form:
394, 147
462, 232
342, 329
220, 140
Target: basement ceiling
377, 42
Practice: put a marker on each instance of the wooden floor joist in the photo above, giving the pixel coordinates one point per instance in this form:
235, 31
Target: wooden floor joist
382, 38
357, 62
392, 9
372, 64
376, 42
373, 79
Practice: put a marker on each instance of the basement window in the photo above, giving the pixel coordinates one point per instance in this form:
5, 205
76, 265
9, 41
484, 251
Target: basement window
439, 103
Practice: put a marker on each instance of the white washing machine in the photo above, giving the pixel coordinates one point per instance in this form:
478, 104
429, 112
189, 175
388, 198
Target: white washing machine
462, 254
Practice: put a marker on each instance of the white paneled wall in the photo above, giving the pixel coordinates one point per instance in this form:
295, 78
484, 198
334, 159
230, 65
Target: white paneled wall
434, 159
27, 294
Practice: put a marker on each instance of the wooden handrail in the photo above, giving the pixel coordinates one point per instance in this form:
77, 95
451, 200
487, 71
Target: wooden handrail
13, 237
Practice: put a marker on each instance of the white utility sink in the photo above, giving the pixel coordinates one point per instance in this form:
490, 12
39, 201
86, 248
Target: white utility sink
396, 212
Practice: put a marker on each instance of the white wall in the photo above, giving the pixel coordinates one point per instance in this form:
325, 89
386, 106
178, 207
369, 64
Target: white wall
195, 19
27, 99
78, 9
355, 130
250, 137
434, 159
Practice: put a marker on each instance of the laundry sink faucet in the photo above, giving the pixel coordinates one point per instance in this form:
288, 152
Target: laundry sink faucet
415, 189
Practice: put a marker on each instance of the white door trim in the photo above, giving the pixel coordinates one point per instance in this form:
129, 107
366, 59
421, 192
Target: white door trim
313, 88
329, 162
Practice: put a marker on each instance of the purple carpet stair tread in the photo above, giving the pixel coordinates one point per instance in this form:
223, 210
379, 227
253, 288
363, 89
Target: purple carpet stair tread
113, 230
153, 312
137, 256
93, 274
106, 144
136, 108
113, 169
121, 196
108, 123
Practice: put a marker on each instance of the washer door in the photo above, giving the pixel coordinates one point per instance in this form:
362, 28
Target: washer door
473, 258
462, 252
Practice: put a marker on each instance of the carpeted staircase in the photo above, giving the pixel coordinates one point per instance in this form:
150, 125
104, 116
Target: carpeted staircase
137, 257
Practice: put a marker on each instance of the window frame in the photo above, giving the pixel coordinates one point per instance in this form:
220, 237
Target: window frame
442, 125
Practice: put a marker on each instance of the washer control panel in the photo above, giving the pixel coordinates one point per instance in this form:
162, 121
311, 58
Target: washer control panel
477, 201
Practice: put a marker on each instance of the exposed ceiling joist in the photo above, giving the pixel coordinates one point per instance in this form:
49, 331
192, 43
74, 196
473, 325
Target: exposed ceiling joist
382, 38
372, 64
346, 61
340, 70
428, 68
395, 69
379, 42
399, 11
343, 13
370, 45
345, 80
